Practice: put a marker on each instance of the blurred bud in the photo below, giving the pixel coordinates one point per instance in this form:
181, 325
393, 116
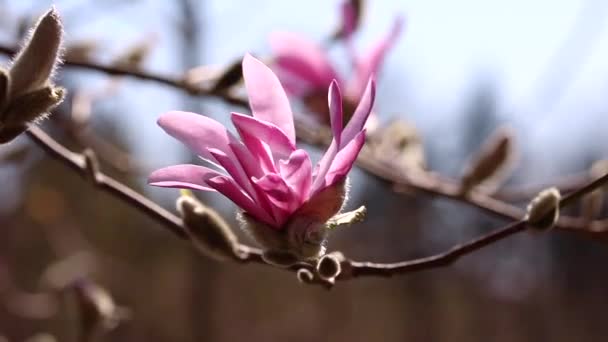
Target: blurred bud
65, 271
97, 310
34, 64
209, 232
543, 210
492, 162
80, 50
305, 276
232, 75
398, 143
41, 337
329, 266
135, 55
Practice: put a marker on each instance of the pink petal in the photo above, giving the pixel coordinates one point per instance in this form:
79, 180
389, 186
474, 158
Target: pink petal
251, 167
322, 167
197, 132
297, 172
234, 170
357, 121
267, 97
344, 160
279, 143
183, 176
335, 110
281, 197
371, 62
302, 58
259, 150
228, 188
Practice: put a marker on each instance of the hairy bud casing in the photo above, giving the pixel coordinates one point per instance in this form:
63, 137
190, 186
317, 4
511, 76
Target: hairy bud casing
208, 231
491, 163
543, 210
35, 64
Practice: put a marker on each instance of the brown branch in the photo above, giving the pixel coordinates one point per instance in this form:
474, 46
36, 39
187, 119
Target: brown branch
86, 165
312, 133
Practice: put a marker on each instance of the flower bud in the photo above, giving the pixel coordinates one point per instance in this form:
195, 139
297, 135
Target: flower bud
543, 210
34, 65
26, 92
208, 231
28, 108
399, 144
491, 163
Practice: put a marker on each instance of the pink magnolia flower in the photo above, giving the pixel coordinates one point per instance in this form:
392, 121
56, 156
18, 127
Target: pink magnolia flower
264, 173
305, 68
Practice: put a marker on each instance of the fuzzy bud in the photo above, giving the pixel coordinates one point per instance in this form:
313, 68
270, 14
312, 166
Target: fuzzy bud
491, 163
135, 55
26, 91
28, 108
329, 266
208, 231
543, 210
34, 65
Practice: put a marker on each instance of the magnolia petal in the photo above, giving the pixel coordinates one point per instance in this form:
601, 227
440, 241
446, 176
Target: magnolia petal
297, 172
267, 97
372, 61
357, 121
335, 110
280, 144
259, 150
183, 176
197, 132
302, 58
227, 187
246, 159
279, 194
234, 170
322, 167
344, 160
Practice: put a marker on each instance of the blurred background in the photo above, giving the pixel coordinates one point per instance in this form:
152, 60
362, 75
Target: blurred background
459, 70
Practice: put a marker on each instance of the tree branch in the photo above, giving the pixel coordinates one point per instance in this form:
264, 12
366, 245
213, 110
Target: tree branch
86, 165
